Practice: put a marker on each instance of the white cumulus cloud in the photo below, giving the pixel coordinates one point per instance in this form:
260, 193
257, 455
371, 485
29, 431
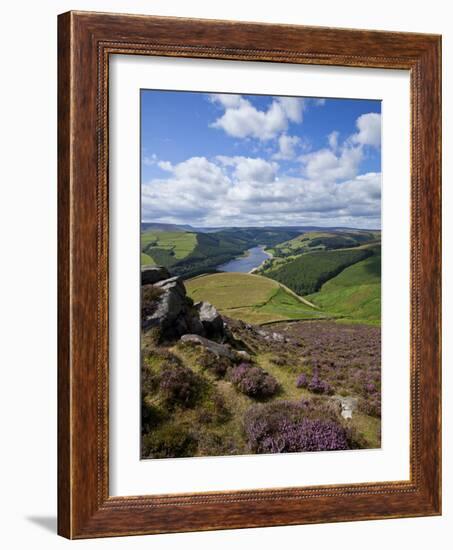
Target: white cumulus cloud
241, 119
287, 146
241, 190
328, 165
369, 126
250, 169
333, 140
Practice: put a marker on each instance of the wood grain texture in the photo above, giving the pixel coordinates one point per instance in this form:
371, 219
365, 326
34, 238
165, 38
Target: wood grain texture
85, 42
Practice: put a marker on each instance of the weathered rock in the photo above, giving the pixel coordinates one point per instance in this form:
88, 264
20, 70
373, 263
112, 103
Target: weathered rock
180, 325
174, 313
210, 318
172, 284
220, 350
170, 305
348, 405
153, 274
195, 326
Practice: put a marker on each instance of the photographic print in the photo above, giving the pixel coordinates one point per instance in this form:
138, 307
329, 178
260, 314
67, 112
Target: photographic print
260, 274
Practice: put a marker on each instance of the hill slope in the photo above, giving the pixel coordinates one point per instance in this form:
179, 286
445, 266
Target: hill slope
249, 297
306, 273
355, 293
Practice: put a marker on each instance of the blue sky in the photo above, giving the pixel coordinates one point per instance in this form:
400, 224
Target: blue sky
250, 160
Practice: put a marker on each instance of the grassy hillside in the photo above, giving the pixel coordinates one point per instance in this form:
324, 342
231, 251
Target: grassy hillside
307, 272
355, 293
323, 240
146, 260
251, 298
187, 253
167, 247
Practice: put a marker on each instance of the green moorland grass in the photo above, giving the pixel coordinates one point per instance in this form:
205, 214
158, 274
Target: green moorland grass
146, 260
355, 293
250, 297
179, 243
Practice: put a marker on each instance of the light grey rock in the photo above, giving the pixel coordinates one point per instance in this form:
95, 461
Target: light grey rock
210, 318
175, 315
154, 274
170, 306
172, 284
348, 405
220, 350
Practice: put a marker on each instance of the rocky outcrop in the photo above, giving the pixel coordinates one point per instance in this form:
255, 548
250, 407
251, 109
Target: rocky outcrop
172, 284
172, 312
153, 274
210, 319
220, 350
170, 305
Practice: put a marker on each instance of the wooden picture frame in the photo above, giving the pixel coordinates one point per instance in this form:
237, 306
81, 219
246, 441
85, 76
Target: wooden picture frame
85, 42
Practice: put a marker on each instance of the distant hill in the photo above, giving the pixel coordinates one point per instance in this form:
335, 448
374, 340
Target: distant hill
326, 239
148, 226
160, 226
291, 228
303, 259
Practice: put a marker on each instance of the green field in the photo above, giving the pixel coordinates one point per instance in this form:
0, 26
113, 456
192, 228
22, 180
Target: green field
178, 244
322, 240
251, 298
146, 260
355, 293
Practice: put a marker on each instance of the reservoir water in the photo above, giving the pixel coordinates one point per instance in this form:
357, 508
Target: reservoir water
252, 258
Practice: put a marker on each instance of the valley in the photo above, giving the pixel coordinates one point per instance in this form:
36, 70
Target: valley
324, 273
246, 331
